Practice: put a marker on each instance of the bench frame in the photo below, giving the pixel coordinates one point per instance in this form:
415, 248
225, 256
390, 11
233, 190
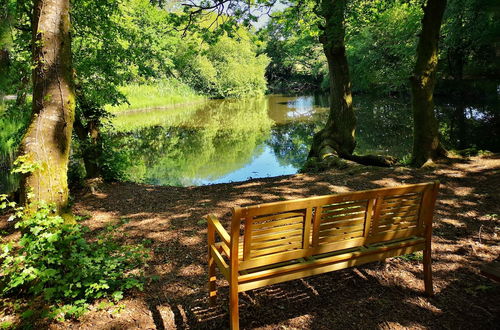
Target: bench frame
245, 272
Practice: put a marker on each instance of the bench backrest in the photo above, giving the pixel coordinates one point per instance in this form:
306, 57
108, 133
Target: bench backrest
282, 231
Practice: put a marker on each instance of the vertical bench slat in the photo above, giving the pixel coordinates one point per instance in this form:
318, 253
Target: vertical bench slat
368, 217
316, 225
247, 238
307, 229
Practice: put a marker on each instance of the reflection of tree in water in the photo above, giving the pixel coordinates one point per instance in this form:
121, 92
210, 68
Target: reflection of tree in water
470, 123
291, 142
384, 126
220, 137
217, 139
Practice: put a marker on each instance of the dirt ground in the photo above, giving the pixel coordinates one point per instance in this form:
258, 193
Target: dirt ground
170, 220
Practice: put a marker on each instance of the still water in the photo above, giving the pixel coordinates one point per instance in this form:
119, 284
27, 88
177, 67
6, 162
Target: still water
233, 140
221, 141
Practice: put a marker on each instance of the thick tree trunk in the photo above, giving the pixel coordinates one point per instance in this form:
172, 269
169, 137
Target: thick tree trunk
338, 134
48, 138
426, 144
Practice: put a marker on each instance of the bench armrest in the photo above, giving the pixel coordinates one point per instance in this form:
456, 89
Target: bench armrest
213, 221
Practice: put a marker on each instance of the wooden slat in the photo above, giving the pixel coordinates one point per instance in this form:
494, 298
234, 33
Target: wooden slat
224, 248
275, 242
307, 229
221, 264
368, 217
316, 268
345, 223
316, 225
392, 235
402, 225
280, 248
278, 216
376, 213
402, 201
343, 217
247, 239
400, 208
361, 207
341, 230
276, 223
277, 236
219, 229
384, 216
337, 238
344, 206
281, 229
396, 220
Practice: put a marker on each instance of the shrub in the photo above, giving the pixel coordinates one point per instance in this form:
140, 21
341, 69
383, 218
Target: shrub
54, 261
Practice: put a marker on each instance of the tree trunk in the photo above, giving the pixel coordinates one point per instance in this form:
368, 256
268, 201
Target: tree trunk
338, 134
426, 144
91, 148
48, 137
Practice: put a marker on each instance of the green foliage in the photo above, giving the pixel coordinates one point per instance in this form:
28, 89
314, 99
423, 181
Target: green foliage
226, 68
55, 261
470, 29
381, 44
291, 39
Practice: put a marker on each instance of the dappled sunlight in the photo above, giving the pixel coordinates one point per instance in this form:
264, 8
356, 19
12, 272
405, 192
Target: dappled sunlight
171, 220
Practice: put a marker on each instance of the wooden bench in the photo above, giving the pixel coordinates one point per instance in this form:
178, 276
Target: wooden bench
276, 242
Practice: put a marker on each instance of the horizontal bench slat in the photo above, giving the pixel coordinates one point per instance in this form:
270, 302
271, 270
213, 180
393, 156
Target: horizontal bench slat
346, 223
276, 236
275, 242
338, 238
276, 223
278, 216
280, 248
343, 217
280, 229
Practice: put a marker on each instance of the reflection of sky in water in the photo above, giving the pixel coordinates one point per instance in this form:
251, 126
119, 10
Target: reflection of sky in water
302, 106
473, 113
261, 166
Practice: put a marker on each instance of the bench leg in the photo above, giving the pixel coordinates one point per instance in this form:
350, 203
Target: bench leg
233, 307
211, 280
211, 265
428, 272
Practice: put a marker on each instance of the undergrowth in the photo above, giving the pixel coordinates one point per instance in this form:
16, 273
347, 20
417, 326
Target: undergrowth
54, 262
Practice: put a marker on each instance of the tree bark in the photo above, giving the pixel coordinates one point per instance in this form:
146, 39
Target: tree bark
339, 130
426, 144
48, 137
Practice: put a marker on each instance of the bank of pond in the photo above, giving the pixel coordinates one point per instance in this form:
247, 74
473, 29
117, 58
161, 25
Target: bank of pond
218, 141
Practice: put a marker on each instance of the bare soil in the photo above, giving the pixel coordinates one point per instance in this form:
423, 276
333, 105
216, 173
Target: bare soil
385, 295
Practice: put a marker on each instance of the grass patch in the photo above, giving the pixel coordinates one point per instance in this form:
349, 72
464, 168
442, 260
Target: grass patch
161, 94
415, 256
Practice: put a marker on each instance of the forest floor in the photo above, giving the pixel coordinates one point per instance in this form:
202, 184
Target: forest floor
170, 221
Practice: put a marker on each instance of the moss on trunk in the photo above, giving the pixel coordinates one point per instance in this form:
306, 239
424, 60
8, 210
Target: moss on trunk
48, 136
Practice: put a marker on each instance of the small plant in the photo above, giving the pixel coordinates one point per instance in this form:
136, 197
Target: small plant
415, 256
54, 261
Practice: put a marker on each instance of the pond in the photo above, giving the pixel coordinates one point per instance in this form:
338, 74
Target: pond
220, 141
